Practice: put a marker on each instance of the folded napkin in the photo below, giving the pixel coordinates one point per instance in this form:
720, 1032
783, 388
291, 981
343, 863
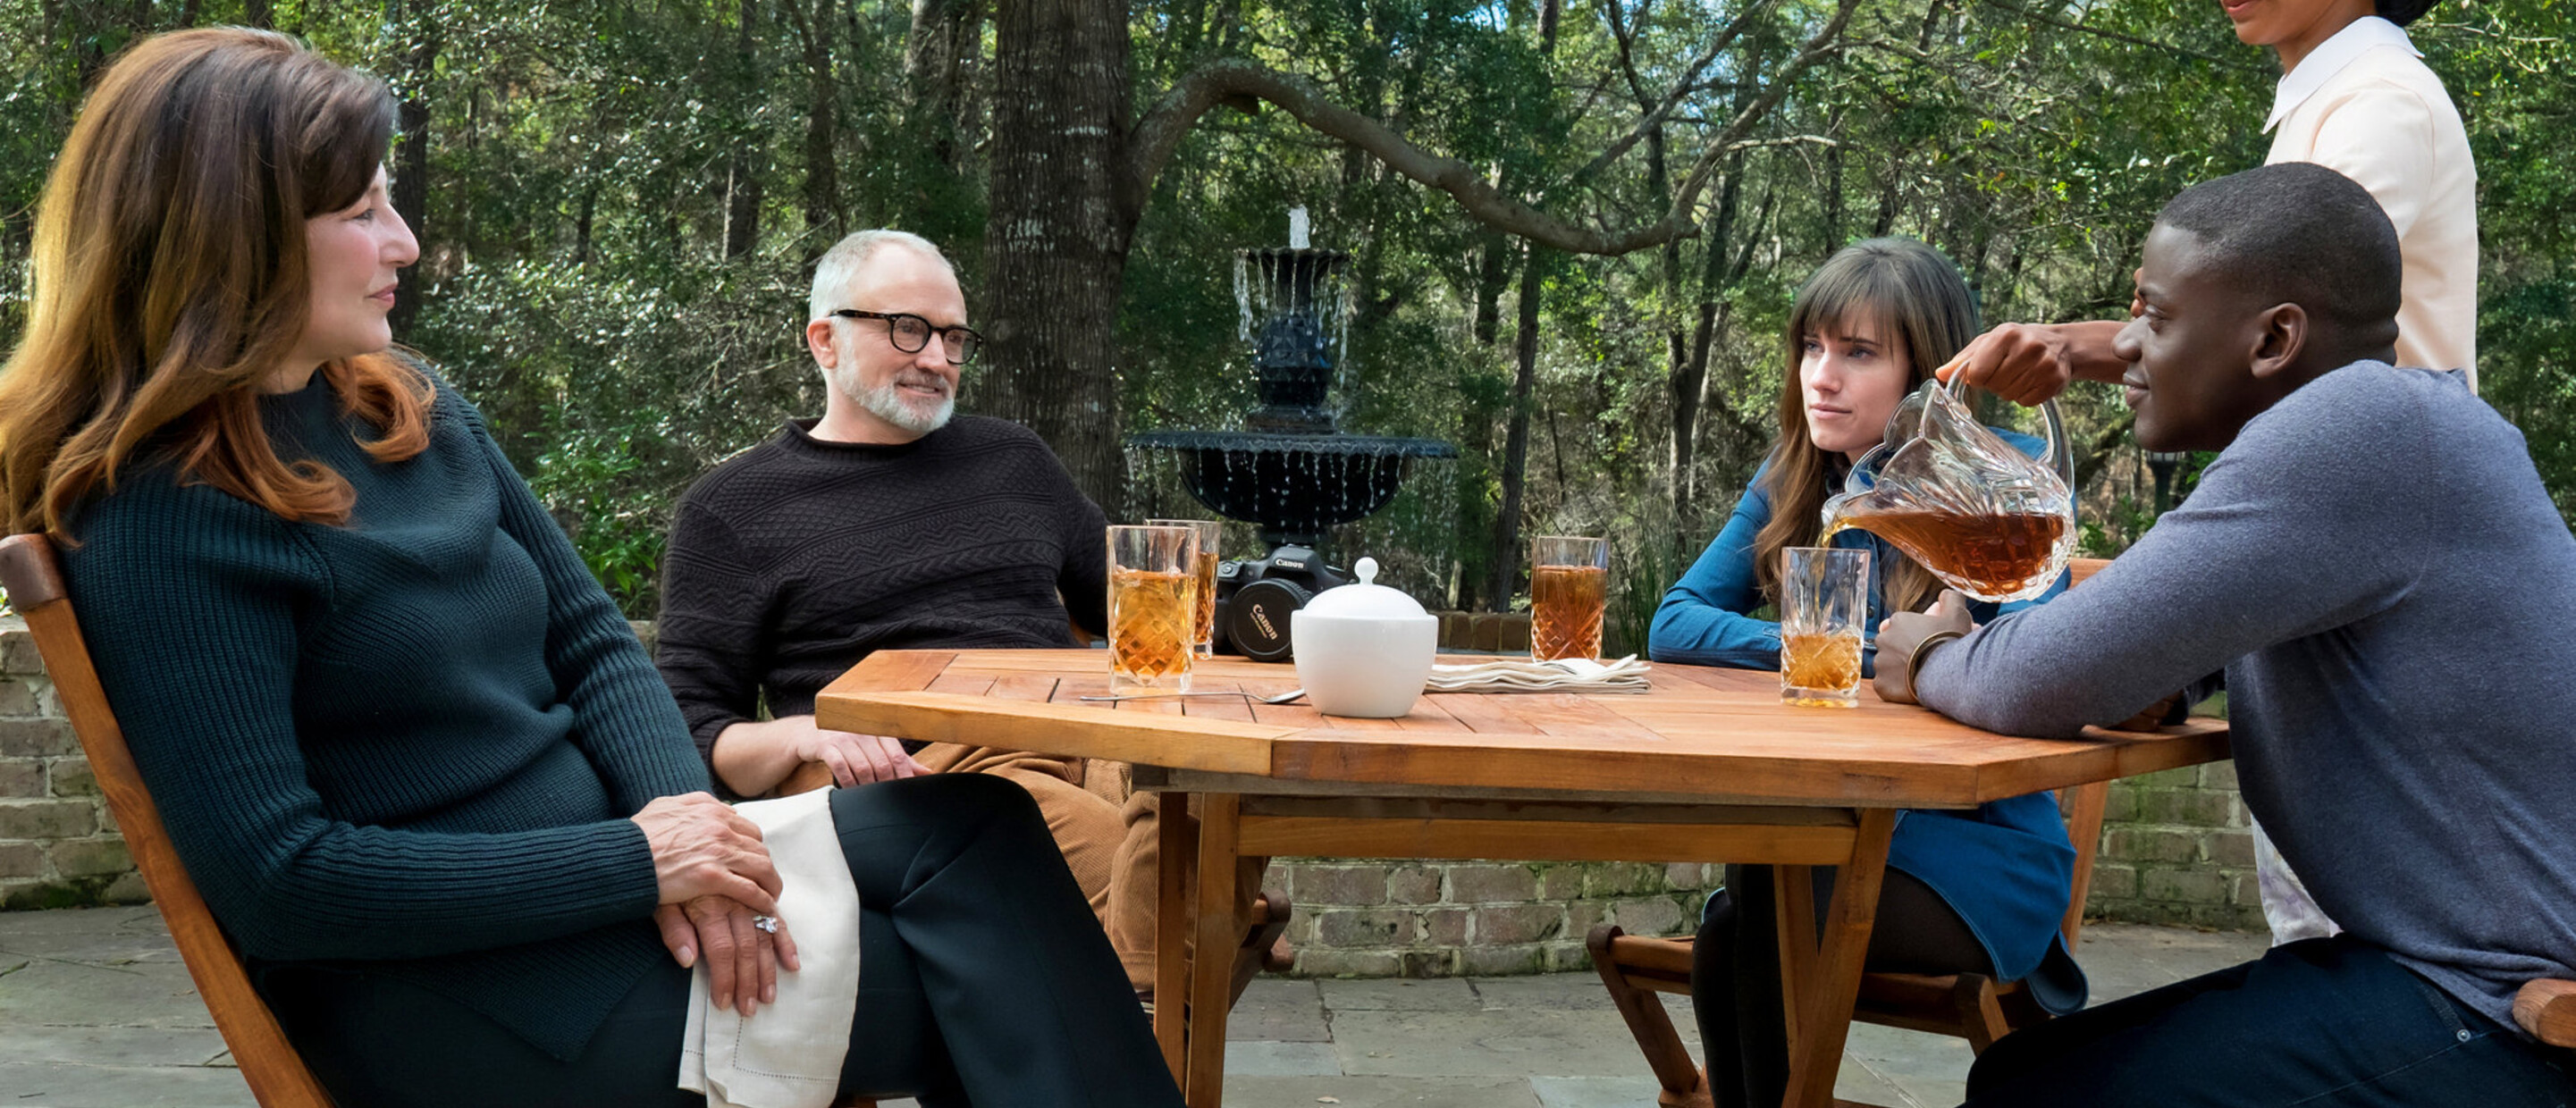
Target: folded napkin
1568, 675
788, 1054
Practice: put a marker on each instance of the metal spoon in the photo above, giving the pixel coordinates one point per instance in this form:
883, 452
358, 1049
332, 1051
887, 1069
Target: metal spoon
1282, 698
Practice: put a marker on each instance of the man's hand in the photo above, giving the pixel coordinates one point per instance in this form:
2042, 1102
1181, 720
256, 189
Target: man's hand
752, 758
2027, 363
855, 759
742, 959
1906, 634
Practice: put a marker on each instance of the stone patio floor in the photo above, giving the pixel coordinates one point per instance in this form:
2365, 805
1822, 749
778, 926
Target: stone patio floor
97, 1012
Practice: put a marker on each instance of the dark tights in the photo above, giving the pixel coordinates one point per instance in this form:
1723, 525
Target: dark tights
1735, 970
984, 980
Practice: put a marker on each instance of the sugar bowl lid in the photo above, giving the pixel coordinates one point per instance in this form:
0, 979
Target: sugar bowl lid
1364, 599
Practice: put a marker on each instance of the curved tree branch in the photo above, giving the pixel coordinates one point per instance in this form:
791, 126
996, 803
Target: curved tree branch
1229, 80
1655, 112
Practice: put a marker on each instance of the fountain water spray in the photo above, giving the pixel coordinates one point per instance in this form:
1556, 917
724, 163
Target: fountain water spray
1293, 472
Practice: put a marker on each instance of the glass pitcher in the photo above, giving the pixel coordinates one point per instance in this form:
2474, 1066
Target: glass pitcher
1985, 518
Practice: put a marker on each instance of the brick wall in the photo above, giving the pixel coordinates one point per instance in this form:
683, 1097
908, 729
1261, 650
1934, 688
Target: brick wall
2175, 850
58, 845
1439, 919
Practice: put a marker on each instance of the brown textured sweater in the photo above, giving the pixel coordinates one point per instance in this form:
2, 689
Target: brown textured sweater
795, 559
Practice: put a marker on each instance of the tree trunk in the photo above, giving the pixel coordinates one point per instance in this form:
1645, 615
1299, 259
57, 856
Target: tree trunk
411, 160
1834, 184
743, 186
581, 225
255, 13
823, 217
945, 36
1057, 235
1505, 578
1476, 416
1689, 376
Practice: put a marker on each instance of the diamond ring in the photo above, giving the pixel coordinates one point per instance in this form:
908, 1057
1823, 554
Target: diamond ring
766, 923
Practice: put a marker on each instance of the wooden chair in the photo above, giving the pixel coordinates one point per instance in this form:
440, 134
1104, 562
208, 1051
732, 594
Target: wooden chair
276, 1074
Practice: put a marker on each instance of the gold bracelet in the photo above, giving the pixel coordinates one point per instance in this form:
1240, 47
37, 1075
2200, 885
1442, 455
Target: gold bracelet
1914, 661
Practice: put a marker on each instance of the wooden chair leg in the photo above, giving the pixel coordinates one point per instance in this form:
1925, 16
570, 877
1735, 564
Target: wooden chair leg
1981, 1015
1683, 1084
1269, 921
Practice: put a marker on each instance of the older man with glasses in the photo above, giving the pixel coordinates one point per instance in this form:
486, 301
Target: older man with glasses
890, 522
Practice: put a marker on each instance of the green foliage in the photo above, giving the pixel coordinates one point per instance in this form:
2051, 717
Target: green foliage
623, 201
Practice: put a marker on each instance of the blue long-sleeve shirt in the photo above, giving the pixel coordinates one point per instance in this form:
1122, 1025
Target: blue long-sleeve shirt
2005, 867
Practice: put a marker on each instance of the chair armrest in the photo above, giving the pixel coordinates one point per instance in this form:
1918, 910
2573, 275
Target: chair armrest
2547, 1009
805, 778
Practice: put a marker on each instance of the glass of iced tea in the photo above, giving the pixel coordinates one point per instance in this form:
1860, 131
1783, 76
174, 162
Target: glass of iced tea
1824, 608
1210, 532
1153, 607
1569, 585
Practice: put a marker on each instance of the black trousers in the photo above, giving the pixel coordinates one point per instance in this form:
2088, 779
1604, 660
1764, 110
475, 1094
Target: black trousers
1735, 970
984, 979
2322, 1023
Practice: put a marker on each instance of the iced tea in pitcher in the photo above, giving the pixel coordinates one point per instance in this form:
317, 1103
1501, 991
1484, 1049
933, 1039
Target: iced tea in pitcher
1983, 555
1985, 518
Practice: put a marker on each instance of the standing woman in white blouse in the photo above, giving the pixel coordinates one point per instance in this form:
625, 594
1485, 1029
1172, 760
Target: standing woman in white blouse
2355, 97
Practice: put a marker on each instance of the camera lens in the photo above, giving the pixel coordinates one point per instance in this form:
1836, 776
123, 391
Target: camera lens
1256, 618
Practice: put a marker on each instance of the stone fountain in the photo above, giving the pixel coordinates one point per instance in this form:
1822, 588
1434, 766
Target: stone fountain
1292, 471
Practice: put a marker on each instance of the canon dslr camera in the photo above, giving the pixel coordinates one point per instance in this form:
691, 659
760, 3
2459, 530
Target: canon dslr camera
1253, 599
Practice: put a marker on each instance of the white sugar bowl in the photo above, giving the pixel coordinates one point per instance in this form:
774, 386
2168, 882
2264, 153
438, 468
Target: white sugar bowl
1363, 649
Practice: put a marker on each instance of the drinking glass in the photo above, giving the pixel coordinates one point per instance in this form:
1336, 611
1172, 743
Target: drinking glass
1153, 607
1569, 585
1209, 532
1824, 607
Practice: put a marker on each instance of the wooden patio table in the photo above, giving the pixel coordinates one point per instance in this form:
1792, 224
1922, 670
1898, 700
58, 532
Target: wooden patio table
1706, 766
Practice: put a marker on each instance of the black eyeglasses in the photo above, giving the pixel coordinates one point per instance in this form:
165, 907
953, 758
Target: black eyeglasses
909, 333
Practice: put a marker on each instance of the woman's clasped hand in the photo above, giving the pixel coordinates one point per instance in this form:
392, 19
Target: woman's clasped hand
719, 897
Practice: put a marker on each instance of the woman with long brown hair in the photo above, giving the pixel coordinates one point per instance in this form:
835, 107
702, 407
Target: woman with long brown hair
1979, 891
408, 749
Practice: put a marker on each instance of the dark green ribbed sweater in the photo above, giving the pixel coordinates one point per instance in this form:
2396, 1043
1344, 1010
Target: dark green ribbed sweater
411, 742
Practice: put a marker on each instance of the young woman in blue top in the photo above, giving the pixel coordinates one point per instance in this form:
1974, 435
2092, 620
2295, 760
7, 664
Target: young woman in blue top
1979, 891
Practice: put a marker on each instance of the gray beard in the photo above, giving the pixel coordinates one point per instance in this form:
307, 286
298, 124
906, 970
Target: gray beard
888, 404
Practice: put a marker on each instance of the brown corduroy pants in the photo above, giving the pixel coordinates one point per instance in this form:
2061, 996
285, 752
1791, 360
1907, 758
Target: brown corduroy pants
1110, 836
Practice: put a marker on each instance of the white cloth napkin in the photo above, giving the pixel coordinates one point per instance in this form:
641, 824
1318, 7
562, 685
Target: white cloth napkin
788, 1054
1569, 675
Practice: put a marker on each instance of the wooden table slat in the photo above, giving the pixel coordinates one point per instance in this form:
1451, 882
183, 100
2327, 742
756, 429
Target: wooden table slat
1720, 731
970, 684
1484, 715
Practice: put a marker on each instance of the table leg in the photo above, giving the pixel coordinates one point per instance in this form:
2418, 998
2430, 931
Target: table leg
1212, 955
1825, 1022
1794, 892
1177, 850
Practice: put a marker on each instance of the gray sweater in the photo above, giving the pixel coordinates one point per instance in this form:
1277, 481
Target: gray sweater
2392, 595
